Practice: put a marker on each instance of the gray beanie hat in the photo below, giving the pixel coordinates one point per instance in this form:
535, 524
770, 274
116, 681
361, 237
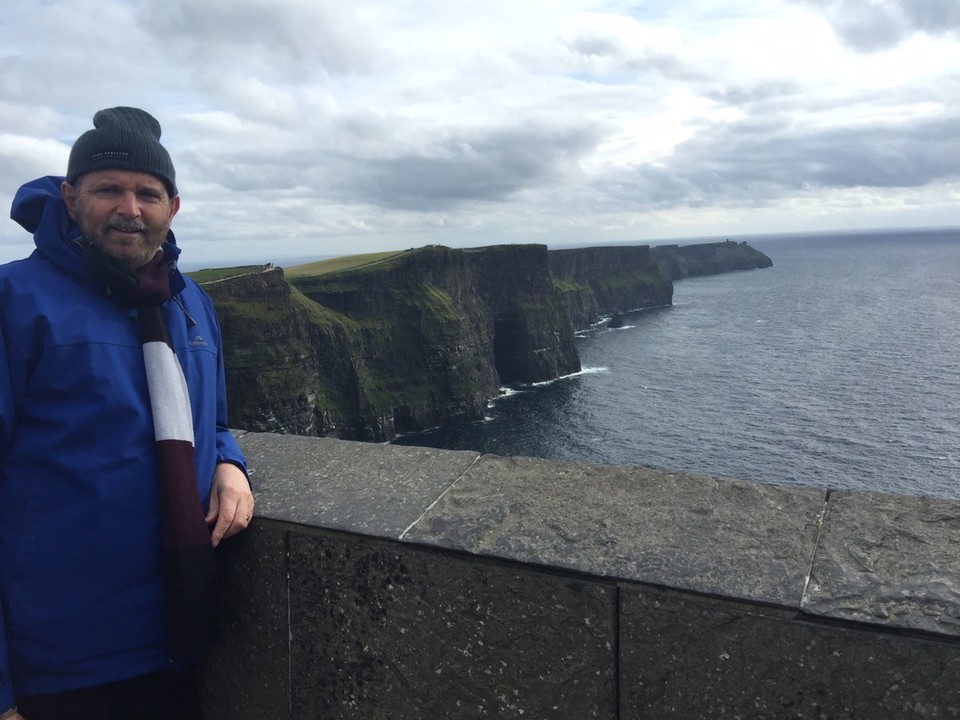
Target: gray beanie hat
123, 138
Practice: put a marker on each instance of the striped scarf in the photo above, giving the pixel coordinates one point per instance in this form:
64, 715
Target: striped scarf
187, 554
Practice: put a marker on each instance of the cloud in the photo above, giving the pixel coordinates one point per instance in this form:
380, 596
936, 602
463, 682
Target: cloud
464, 165
753, 163
883, 155
29, 157
286, 40
311, 124
870, 26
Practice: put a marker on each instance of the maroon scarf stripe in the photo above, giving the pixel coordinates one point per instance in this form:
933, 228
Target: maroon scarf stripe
179, 503
190, 600
152, 328
188, 563
186, 551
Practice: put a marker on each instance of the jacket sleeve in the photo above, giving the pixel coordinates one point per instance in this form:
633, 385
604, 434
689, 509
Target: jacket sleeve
9, 396
7, 697
227, 448
7, 414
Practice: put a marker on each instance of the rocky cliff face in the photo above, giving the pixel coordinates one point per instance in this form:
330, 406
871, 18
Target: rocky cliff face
599, 281
426, 338
420, 339
680, 261
533, 334
291, 365
494, 311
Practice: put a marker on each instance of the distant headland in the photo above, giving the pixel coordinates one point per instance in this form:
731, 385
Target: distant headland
366, 347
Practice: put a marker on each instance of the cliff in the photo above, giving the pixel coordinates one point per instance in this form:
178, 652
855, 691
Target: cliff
533, 333
492, 314
599, 281
291, 364
417, 340
680, 261
369, 347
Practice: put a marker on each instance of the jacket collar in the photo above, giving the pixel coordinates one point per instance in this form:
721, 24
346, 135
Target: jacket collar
39, 208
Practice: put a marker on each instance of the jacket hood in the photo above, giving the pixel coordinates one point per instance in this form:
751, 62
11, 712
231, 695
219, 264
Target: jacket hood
38, 207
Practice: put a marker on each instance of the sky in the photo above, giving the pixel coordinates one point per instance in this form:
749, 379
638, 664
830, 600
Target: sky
310, 128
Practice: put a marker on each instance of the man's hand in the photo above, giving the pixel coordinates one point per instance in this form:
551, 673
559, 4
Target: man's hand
231, 502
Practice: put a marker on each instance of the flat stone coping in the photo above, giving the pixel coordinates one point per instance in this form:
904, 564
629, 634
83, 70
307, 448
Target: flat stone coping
858, 556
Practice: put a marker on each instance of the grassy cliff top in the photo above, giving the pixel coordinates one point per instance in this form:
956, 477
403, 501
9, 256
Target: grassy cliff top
214, 274
339, 264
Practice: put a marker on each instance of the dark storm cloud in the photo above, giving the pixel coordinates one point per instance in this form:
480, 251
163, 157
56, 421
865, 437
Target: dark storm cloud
868, 27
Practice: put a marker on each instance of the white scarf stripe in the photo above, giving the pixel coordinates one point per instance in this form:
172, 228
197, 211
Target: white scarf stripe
169, 399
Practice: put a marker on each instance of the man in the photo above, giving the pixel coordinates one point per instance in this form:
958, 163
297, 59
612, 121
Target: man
117, 472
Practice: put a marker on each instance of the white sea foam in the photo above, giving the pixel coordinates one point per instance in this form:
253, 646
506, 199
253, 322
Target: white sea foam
583, 371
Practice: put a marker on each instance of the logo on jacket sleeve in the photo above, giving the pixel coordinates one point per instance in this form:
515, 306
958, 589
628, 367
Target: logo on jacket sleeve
197, 341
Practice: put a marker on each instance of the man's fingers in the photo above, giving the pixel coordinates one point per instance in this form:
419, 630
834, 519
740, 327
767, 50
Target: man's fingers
233, 518
231, 502
214, 507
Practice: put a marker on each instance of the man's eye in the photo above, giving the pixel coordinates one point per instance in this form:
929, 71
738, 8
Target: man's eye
149, 197
107, 192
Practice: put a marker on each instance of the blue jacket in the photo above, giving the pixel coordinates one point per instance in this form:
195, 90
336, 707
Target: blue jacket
80, 581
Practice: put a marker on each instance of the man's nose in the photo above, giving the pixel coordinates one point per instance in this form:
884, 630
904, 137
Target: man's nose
128, 205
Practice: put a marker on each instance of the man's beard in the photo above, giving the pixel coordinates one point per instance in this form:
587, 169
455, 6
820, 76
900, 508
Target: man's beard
132, 256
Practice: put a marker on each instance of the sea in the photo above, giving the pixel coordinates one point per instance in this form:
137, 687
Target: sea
839, 367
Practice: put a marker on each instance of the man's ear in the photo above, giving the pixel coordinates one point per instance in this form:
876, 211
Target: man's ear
69, 193
174, 207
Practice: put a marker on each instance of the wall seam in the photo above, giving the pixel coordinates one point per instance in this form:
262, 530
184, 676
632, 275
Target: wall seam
286, 547
617, 666
439, 498
821, 527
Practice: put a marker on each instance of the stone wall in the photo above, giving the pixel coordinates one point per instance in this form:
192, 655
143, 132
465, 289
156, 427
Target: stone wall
382, 581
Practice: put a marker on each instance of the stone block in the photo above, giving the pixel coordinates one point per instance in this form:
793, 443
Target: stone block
889, 560
695, 658
383, 631
376, 490
246, 673
727, 538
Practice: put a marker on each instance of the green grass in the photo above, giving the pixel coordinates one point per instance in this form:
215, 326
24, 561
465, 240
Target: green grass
349, 262
213, 274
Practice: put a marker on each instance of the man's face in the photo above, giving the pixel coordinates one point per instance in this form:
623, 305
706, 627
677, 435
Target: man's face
125, 214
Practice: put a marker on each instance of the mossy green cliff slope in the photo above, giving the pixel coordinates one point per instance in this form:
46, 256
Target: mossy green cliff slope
372, 346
